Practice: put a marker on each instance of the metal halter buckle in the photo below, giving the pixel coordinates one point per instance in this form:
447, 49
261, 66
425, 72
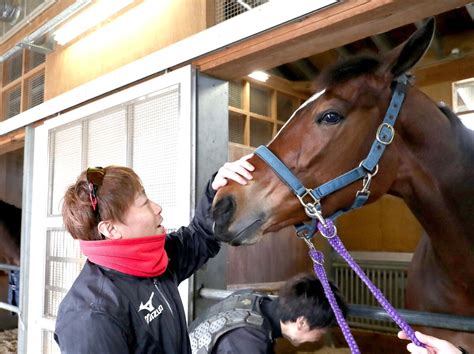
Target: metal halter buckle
379, 131
315, 201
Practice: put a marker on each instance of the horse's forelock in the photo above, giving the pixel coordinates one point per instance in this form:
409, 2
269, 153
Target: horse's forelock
350, 69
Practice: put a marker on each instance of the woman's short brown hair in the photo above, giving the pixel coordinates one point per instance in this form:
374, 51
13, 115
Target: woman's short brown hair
118, 191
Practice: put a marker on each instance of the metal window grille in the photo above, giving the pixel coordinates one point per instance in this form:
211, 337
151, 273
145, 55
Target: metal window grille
13, 68
63, 262
12, 102
34, 59
286, 105
261, 132
65, 163
235, 94
49, 345
260, 100
226, 9
236, 127
141, 133
389, 277
35, 93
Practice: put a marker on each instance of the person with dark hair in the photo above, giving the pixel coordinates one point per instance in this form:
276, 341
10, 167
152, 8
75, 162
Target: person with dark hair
126, 299
249, 322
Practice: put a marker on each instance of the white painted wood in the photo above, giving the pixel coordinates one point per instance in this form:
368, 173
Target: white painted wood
181, 84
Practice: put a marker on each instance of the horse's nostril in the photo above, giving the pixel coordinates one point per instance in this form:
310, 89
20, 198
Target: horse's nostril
223, 212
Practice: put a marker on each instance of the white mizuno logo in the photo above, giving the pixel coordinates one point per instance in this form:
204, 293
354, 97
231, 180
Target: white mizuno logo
152, 312
148, 305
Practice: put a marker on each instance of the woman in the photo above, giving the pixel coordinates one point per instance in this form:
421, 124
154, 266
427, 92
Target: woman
126, 300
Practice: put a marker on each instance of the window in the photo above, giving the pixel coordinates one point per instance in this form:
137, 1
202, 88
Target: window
257, 111
20, 14
463, 101
226, 9
22, 83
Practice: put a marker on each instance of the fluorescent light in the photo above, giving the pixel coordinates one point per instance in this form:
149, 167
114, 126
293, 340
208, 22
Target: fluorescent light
87, 19
259, 75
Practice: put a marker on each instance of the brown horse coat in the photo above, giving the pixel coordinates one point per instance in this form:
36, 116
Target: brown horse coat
430, 164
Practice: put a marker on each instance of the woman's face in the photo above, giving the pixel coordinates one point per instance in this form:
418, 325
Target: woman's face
143, 218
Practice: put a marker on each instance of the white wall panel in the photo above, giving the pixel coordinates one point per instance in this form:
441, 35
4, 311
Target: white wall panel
147, 127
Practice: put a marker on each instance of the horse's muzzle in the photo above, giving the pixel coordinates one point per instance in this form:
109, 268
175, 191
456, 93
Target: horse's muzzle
223, 211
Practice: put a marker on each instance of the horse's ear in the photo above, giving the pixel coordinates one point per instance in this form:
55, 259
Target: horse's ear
407, 54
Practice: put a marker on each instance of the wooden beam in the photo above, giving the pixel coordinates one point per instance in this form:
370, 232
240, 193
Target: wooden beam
290, 87
12, 141
381, 42
448, 70
305, 87
329, 28
322, 60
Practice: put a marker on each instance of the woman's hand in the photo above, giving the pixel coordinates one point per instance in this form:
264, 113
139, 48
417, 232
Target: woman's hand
238, 171
433, 345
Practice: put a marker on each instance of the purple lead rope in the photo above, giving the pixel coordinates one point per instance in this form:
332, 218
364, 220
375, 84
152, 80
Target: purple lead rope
318, 260
330, 233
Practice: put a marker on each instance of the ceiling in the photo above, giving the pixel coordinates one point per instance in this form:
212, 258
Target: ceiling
454, 38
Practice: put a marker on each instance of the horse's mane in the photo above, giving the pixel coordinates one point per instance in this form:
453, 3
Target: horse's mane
349, 69
10, 217
466, 136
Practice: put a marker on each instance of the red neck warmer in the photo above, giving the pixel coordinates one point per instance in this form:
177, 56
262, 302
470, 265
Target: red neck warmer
142, 256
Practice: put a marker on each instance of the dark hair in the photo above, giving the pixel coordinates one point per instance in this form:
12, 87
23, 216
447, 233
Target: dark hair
304, 296
119, 189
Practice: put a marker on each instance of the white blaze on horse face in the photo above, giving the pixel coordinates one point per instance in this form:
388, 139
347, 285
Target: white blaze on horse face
307, 102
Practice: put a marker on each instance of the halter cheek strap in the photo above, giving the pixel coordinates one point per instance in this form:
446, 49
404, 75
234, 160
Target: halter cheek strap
367, 169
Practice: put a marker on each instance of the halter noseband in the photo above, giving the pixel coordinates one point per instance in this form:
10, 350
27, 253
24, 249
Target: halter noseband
366, 170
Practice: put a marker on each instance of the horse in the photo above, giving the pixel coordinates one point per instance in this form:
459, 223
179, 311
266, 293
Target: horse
428, 161
10, 233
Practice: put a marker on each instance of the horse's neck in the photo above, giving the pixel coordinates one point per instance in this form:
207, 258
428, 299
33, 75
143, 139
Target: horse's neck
435, 180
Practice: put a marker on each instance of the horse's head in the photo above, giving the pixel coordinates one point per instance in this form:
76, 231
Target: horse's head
327, 136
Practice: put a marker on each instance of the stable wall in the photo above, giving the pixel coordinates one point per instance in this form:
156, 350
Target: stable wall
140, 31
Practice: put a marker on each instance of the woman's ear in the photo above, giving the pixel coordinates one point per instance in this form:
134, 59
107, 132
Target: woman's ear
108, 230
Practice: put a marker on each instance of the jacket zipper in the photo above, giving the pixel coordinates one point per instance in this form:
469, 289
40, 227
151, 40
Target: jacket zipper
176, 344
163, 296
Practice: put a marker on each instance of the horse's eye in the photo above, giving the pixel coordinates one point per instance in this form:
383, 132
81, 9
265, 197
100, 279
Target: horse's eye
330, 118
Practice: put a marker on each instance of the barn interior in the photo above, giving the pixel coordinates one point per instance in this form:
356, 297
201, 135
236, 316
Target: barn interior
382, 236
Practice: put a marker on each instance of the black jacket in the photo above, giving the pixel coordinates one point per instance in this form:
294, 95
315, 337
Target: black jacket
248, 339
106, 311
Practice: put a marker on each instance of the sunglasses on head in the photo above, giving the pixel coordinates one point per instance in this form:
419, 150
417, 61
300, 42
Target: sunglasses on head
95, 176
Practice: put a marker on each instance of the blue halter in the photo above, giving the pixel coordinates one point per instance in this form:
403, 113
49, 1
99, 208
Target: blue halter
366, 170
